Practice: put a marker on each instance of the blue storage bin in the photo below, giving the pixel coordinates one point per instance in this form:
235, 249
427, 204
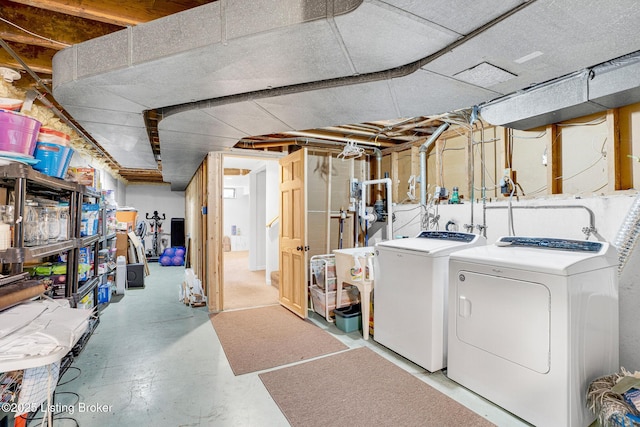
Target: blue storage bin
53, 159
104, 293
349, 319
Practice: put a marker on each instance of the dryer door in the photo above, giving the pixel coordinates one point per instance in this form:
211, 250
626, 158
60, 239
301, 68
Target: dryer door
505, 317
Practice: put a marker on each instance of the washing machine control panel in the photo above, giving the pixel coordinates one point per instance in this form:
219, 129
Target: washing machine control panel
448, 235
549, 243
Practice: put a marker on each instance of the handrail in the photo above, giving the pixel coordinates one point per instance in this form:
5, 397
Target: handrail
270, 223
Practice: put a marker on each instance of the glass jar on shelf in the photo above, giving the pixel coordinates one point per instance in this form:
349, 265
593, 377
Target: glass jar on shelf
6, 226
31, 226
43, 223
53, 223
63, 220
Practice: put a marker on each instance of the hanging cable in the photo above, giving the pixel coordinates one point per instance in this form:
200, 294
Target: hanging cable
34, 34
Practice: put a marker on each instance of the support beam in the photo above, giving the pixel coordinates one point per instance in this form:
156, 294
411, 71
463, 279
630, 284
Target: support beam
214, 266
51, 30
554, 160
615, 179
395, 179
114, 12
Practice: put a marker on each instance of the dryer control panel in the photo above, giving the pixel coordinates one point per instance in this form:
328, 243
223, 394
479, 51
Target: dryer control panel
550, 243
448, 235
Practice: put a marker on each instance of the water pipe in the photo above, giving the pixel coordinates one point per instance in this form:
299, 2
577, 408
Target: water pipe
423, 161
370, 217
588, 231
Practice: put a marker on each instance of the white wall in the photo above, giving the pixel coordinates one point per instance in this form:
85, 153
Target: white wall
236, 212
561, 223
107, 182
272, 211
149, 198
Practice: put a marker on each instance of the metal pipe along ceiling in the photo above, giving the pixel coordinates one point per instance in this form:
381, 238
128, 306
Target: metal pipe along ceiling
423, 161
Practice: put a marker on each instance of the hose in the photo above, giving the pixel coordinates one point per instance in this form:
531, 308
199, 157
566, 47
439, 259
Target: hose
627, 237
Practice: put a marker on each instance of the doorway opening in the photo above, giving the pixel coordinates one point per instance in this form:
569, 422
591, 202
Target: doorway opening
250, 227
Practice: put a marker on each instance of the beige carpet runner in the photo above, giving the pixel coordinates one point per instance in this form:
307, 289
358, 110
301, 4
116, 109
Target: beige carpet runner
266, 337
360, 388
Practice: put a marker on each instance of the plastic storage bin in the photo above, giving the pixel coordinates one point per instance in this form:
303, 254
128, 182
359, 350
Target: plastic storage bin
349, 296
323, 269
349, 319
54, 159
10, 104
104, 294
53, 136
18, 133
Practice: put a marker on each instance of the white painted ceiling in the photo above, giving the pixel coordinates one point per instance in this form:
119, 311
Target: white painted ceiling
234, 69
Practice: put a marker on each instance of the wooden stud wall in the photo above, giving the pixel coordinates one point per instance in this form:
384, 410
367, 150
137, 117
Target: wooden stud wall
195, 226
622, 153
501, 155
214, 262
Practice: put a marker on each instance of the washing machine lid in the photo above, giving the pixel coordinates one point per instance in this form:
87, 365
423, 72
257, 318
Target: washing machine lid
434, 242
543, 254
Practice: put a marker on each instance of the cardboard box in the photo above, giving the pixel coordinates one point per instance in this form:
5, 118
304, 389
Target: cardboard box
84, 176
128, 217
122, 244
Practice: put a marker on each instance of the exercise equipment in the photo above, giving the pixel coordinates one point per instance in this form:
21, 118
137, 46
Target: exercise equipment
156, 229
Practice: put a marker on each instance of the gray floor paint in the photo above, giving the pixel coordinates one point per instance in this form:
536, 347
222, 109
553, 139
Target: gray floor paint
154, 361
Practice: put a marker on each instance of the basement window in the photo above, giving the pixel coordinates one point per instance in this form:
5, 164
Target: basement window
229, 193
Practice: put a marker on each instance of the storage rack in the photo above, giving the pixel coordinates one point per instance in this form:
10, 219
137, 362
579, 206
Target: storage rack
22, 180
323, 279
90, 284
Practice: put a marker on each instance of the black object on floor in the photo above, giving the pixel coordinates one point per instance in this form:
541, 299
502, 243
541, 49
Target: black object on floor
177, 232
135, 275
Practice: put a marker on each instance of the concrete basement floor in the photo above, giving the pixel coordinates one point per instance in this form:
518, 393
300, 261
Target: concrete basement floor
154, 361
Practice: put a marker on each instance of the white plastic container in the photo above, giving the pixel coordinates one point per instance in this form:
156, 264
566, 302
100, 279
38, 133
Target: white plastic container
53, 136
121, 275
5, 236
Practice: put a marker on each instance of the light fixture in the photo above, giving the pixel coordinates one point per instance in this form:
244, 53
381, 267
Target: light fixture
528, 57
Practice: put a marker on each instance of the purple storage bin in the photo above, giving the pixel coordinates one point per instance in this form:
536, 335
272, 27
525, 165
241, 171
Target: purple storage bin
54, 159
18, 133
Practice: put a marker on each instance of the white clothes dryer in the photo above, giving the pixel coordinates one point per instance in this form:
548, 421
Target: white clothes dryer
410, 295
532, 321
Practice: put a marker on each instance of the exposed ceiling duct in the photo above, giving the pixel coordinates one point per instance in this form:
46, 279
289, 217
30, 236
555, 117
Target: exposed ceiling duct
609, 85
228, 71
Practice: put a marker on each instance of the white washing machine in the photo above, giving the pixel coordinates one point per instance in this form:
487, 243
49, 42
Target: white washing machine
532, 321
410, 294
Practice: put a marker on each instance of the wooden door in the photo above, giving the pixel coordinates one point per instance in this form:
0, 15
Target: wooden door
293, 223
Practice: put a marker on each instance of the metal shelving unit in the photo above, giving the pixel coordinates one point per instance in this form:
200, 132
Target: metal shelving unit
23, 182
